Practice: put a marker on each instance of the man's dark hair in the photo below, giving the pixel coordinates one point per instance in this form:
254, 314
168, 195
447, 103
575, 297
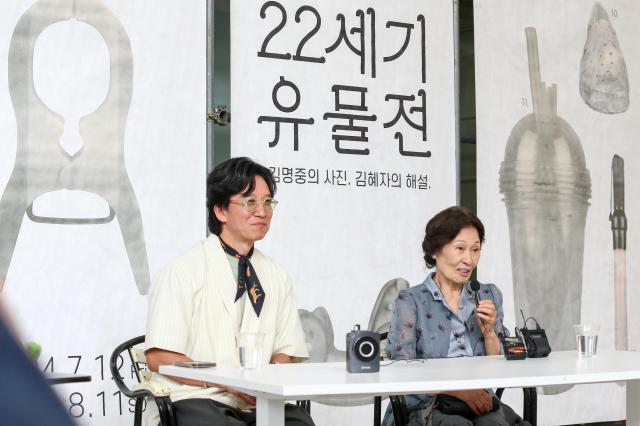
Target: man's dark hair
231, 177
444, 227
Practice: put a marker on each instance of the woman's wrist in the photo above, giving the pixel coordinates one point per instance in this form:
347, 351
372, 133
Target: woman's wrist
489, 333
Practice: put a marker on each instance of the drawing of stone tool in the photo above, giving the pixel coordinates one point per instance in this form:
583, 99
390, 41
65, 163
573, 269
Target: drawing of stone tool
604, 82
618, 220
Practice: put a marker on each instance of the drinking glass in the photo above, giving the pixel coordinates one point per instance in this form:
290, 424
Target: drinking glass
587, 339
250, 350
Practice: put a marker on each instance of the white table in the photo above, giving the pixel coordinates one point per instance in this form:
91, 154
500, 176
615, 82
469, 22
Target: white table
273, 384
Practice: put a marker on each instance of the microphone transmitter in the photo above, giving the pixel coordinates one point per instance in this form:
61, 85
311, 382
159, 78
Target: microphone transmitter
535, 340
514, 348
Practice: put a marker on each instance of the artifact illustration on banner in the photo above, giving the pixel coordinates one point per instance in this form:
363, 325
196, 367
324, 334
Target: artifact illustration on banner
98, 165
555, 101
352, 106
101, 183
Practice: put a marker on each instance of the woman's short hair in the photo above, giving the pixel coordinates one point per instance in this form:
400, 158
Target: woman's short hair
444, 227
231, 177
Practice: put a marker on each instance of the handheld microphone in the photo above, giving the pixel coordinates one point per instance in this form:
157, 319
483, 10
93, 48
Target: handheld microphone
475, 286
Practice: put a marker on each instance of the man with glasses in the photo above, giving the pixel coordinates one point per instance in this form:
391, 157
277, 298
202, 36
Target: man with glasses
202, 302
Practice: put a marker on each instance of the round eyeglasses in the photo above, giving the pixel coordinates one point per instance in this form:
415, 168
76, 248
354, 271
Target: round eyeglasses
251, 204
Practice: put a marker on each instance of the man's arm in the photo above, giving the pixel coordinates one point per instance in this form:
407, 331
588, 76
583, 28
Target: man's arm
157, 357
280, 358
289, 344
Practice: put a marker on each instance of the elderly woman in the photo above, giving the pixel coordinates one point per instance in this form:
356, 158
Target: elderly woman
439, 319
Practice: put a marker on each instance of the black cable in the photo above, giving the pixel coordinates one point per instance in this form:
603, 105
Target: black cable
530, 318
420, 360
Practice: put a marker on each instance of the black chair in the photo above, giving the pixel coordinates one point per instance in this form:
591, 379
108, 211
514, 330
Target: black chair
145, 387
377, 401
530, 410
401, 412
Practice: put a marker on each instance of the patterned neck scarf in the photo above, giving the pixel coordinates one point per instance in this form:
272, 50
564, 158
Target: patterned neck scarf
247, 278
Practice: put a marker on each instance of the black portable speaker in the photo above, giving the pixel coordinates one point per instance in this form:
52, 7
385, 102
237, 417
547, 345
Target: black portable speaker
363, 351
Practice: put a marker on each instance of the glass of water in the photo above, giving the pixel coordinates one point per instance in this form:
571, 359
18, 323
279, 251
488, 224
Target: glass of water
587, 339
250, 349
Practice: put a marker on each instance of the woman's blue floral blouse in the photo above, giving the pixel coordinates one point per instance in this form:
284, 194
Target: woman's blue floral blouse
423, 326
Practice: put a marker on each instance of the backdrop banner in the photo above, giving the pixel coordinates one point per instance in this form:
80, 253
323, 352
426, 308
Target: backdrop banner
352, 106
102, 175
555, 102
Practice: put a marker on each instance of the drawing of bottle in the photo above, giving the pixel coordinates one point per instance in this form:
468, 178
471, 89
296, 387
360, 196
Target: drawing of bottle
546, 188
42, 166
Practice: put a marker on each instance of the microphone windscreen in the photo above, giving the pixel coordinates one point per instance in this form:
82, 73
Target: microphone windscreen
475, 285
